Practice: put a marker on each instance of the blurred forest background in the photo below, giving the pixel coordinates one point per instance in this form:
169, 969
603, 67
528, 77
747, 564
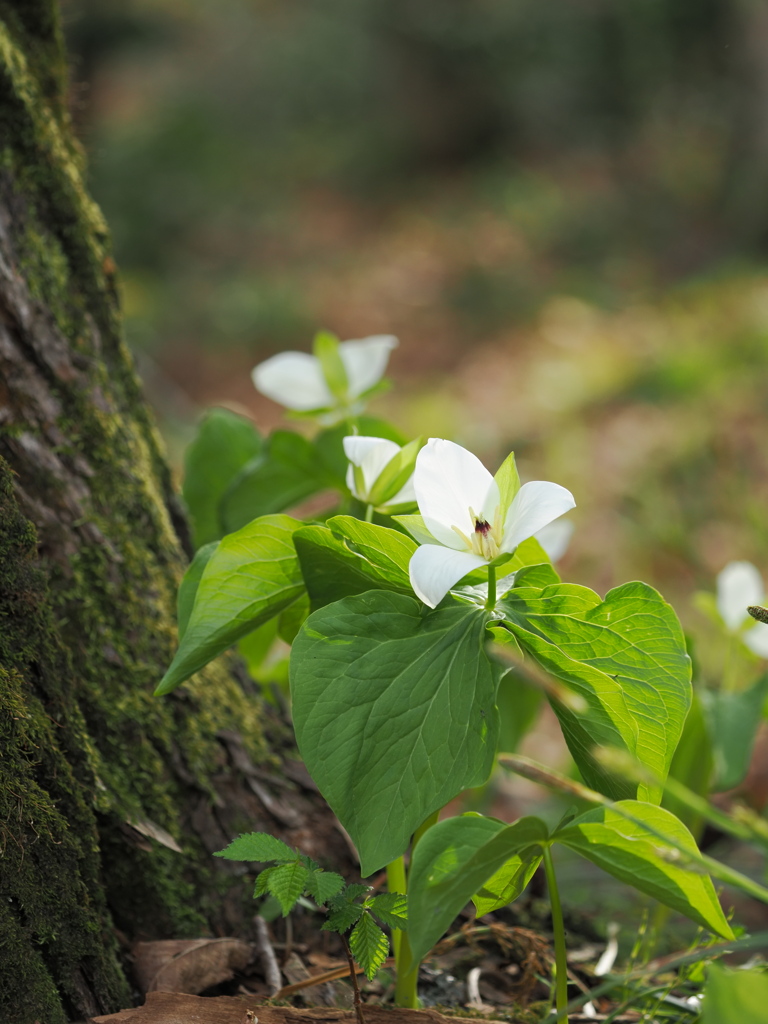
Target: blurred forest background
560, 207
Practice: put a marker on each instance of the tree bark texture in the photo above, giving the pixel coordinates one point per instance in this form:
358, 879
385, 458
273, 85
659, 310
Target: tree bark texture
99, 781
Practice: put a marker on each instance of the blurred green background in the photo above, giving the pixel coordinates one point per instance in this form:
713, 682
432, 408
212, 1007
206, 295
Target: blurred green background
559, 207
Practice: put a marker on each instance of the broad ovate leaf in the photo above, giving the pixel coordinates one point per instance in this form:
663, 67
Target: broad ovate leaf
734, 997
628, 841
185, 600
454, 860
626, 657
348, 557
225, 442
250, 577
732, 721
394, 711
286, 472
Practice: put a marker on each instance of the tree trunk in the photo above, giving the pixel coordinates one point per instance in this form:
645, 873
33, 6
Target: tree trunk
99, 781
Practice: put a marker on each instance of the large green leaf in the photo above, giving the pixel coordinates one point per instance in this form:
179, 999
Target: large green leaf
251, 576
633, 850
735, 997
691, 765
732, 721
185, 600
286, 472
626, 656
348, 557
518, 701
386, 549
394, 711
223, 445
454, 859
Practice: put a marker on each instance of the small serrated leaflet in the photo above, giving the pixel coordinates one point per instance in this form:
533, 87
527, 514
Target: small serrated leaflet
343, 917
369, 945
286, 883
262, 882
391, 908
324, 885
260, 847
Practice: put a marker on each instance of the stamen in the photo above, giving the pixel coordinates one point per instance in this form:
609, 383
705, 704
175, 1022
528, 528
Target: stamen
464, 537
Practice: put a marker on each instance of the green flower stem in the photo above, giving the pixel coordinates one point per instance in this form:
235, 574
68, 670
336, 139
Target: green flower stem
406, 993
369, 513
396, 882
406, 970
490, 604
425, 825
561, 962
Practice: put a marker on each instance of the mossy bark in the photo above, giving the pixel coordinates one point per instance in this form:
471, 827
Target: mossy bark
98, 779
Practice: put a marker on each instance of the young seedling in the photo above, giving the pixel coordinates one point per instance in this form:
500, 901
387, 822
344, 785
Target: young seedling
353, 911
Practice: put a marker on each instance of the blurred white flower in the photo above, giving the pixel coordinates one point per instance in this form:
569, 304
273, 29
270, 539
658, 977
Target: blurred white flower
740, 585
469, 518
369, 457
555, 538
335, 380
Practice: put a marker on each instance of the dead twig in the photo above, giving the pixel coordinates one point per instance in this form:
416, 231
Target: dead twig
320, 979
268, 958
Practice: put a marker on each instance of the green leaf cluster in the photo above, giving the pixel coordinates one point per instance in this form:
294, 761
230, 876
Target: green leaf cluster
396, 707
292, 875
489, 862
233, 475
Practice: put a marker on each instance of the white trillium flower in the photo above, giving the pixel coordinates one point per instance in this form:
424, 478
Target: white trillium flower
296, 379
469, 517
740, 585
370, 456
555, 538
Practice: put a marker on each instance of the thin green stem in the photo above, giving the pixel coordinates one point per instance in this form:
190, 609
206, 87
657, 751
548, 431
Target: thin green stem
369, 513
424, 827
406, 982
407, 973
396, 882
490, 604
561, 962
546, 777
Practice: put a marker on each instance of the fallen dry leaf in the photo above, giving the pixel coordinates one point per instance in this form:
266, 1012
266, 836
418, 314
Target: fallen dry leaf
188, 965
177, 1008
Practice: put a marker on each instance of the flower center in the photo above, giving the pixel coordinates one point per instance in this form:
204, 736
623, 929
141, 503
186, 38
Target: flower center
486, 537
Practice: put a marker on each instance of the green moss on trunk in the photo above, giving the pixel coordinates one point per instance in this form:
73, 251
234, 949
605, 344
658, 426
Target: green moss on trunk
90, 557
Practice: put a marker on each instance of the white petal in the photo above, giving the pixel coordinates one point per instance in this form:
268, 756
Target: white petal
371, 454
295, 380
448, 481
434, 569
366, 360
555, 538
756, 639
406, 493
738, 585
536, 504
